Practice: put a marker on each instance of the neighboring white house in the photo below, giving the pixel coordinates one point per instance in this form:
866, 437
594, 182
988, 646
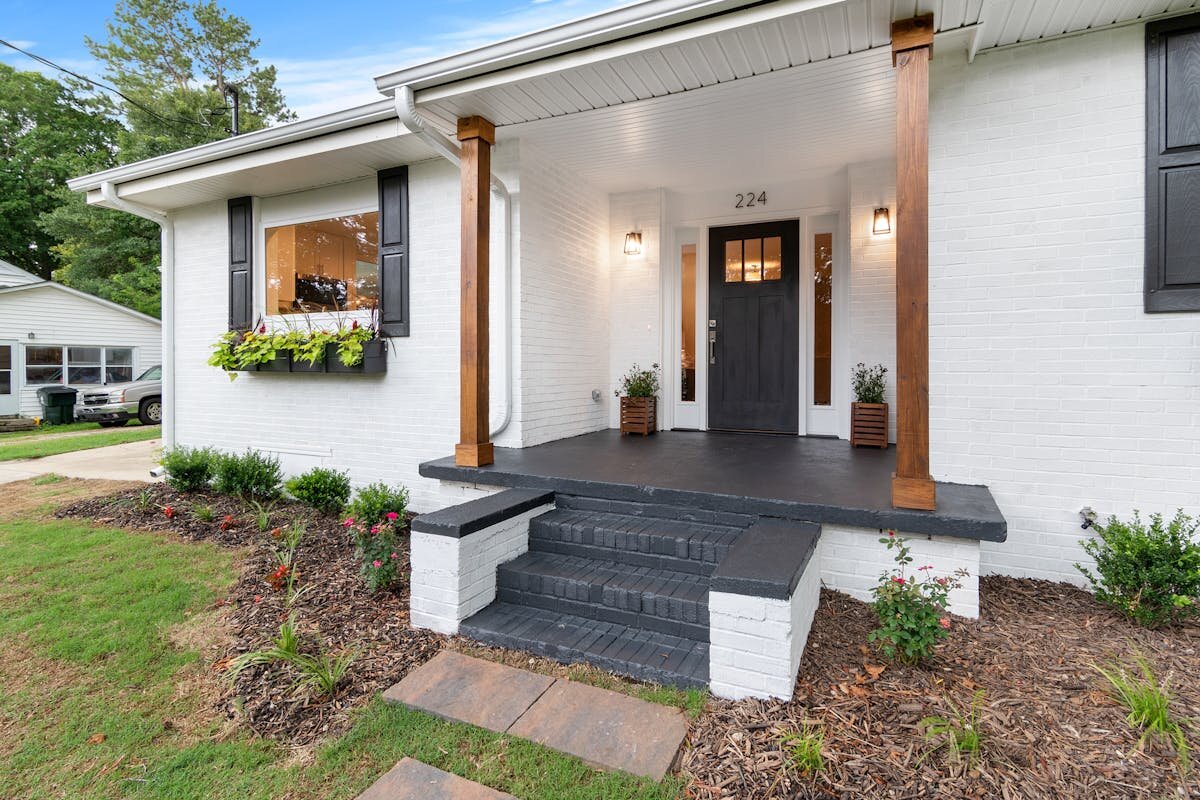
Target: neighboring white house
51, 334
650, 158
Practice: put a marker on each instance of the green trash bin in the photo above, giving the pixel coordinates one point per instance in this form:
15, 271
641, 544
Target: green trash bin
58, 404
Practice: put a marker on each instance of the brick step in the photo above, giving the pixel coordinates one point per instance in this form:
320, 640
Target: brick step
633, 508
675, 545
641, 654
643, 597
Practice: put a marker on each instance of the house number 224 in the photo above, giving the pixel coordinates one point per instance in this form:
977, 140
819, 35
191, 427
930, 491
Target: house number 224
750, 199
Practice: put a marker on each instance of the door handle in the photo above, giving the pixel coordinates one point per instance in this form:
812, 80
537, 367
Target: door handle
712, 347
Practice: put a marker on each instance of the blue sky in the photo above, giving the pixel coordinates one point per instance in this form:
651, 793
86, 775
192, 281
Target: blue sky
326, 60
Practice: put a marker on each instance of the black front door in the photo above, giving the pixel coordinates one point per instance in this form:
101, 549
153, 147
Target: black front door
754, 327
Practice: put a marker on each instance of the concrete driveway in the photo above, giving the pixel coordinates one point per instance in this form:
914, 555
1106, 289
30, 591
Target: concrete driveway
118, 462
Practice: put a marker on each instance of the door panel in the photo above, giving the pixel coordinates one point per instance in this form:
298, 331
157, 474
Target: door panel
754, 364
9, 397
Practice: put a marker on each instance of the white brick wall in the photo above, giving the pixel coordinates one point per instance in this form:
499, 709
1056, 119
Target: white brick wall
377, 428
852, 561
453, 578
756, 643
636, 299
1048, 382
564, 299
872, 278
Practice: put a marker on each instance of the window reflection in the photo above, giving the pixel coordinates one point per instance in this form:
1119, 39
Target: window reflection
326, 265
754, 260
823, 319
687, 294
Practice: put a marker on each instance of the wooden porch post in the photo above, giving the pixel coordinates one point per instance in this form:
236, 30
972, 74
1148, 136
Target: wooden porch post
912, 48
477, 136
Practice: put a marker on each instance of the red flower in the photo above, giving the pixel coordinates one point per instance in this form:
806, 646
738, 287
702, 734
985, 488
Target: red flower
277, 578
354, 325
899, 580
945, 622
228, 522
349, 522
392, 516
262, 328
169, 512
892, 534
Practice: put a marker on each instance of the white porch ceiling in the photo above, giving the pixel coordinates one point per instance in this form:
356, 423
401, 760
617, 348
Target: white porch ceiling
786, 123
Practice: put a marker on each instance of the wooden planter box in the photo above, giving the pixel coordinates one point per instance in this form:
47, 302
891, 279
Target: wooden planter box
869, 424
639, 415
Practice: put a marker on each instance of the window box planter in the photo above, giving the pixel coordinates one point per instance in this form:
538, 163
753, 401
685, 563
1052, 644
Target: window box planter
639, 415
374, 361
281, 363
300, 365
869, 425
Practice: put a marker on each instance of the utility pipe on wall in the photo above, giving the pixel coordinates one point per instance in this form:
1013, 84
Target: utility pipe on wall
406, 111
109, 192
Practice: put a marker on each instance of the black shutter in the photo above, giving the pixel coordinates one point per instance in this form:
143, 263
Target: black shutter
1173, 165
393, 251
241, 264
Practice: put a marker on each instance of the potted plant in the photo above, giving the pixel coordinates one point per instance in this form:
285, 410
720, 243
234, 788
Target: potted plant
639, 400
869, 412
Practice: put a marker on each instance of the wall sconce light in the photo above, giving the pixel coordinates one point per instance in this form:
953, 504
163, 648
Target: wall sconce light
883, 222
633, 244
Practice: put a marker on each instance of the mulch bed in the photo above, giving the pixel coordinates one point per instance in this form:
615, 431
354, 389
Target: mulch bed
1050, 730
335, 609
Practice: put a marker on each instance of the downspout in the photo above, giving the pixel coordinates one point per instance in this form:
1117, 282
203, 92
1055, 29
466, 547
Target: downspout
109, 192
406, 110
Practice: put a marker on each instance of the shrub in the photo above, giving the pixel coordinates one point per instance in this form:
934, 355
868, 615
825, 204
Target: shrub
911, 609
373, 503
638, 382
870, 383
190, 469
376, 547
251, 476
1150, 573
325, 490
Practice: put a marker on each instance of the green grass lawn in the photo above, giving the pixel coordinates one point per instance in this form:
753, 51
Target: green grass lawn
47, 429
34, 446
104, 695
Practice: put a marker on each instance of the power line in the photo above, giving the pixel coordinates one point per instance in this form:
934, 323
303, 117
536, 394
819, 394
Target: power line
118, 92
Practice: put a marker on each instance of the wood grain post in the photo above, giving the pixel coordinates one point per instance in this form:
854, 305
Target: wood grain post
912, 48
477, 136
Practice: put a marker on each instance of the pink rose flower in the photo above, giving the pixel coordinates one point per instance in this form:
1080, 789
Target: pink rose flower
394, 556
374, 529
392, 516
349, 522
899, 580
377, 563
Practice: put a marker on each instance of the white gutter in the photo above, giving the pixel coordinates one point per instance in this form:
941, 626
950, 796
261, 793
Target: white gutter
406, 110
109, 192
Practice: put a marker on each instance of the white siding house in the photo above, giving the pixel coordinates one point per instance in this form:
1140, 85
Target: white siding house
51, 334
645, 161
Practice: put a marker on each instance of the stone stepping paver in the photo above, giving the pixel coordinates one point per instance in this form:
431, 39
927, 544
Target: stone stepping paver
604, 728
464, 689
415, 780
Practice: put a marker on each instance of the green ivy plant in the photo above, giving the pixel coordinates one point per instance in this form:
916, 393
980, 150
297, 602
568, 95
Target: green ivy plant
241, 350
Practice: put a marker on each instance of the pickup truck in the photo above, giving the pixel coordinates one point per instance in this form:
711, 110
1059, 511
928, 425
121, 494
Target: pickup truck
117, 403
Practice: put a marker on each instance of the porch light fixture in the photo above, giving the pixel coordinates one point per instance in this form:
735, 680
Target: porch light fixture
883, 222
633, 244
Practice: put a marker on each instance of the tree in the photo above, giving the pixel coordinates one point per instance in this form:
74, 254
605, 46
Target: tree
49, 132
173, 60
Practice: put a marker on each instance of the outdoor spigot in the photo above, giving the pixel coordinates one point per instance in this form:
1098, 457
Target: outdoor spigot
1088, 516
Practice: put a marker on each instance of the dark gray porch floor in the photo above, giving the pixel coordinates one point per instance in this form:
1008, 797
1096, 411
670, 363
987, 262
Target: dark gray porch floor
819, 480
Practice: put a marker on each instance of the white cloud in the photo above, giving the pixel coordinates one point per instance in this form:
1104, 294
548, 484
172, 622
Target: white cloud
323, 85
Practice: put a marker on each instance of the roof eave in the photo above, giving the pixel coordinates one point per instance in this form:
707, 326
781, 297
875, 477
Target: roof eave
234, 146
